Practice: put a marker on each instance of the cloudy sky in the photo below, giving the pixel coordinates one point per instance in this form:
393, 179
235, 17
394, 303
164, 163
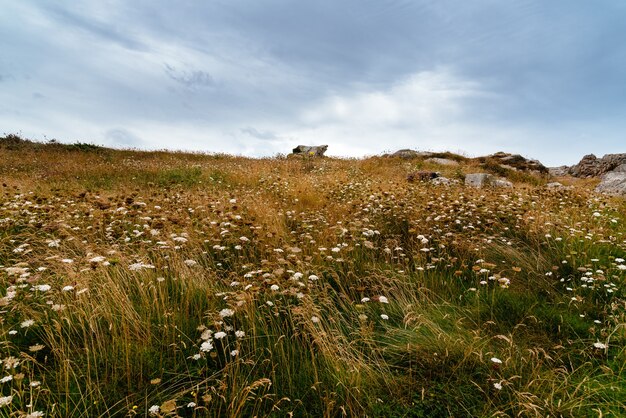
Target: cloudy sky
546, 79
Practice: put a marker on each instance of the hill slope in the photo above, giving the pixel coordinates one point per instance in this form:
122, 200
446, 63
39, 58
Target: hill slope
207, 285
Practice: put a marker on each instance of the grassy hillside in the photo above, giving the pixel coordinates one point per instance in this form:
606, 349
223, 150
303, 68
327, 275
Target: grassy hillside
164, 284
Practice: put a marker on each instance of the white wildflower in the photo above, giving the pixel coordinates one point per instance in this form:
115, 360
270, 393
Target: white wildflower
206, 346
224, 313
27, 323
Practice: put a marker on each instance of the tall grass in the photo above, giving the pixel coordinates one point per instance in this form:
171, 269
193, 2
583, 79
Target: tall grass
169, 284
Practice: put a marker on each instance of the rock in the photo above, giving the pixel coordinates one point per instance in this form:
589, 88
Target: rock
514, 162
591, 166
443, 181
501, 183
555, 185
421, 176
620, 169
441, 161
315, 151
588, 166
613, 183
409, 153
480, 180
558, 171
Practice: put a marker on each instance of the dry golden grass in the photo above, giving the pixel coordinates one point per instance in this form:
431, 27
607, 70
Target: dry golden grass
172, 284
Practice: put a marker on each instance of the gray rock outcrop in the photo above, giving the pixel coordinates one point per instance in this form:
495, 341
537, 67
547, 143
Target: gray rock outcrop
515, 162
592, 166
613, 183
559, 171
441, 161
315, 151
480, 180
409, 153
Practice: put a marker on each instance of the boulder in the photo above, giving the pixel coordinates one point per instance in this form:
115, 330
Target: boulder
514, 162
555, 185
501, 183
592, 166
409, 153
588, 166
613, 183
558, 171
481, 180
314, 151
478, 179
441, 161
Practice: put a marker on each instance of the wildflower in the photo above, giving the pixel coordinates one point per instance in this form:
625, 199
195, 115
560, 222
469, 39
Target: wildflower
497, 386
35, 414
315, 319
385, 317
274, 287
190, 263
191, 405
6, 379
5, 400
269, 303
67, 288
97, 259
35, 383
599, 345
234, 353
383, 299
224, 313
219, 335
365, 300
496, 360
12, 332
27, 323
206, 346
43, 287
67, 261
240, 334
313, 277
154, 410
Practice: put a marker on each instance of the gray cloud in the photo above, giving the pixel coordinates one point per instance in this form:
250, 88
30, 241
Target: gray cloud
191, 79
542, 78
265, 135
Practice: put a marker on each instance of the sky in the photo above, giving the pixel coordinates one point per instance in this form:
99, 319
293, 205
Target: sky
546, 79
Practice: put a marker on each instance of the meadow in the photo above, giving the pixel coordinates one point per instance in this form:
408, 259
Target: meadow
195, 285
